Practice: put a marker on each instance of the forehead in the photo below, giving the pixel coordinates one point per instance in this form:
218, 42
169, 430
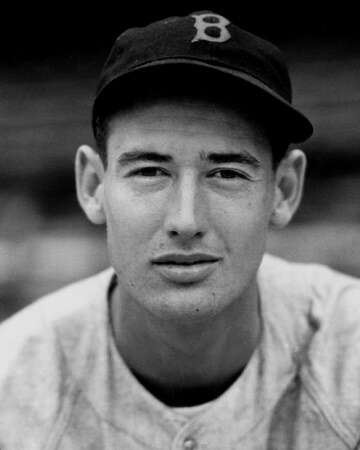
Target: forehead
183, 122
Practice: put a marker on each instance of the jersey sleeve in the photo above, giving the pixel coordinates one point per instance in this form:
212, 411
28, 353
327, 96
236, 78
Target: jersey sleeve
332, 371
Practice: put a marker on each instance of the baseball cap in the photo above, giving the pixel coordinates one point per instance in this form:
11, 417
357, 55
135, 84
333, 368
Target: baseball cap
214, 45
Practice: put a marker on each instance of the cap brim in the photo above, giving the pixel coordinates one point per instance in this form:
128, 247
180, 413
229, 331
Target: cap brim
294, 125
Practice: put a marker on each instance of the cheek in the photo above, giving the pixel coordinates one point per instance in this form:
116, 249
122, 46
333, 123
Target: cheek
243, 224
131, 220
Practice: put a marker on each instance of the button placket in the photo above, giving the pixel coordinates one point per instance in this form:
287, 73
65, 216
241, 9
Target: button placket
189, 443
187, 438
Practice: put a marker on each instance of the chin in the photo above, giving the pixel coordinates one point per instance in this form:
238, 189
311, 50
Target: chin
187, 305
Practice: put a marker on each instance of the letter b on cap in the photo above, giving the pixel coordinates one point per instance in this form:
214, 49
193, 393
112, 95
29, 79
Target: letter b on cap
214, 22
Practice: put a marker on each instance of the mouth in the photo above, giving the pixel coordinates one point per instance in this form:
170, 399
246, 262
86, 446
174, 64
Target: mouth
185, 268
185, 259
175, 263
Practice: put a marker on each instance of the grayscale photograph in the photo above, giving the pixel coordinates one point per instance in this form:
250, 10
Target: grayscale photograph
179, 228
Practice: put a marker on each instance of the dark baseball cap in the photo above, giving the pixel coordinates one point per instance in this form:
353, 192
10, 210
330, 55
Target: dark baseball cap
212, 44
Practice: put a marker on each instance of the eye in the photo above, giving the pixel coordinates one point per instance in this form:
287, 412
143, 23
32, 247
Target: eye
227, 174
149, 172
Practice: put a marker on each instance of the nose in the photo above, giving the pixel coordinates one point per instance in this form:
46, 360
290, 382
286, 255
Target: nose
186, 216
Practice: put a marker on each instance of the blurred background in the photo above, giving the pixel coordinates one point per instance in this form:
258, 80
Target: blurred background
49, 67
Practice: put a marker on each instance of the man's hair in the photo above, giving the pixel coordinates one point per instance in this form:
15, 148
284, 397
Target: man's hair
191, 84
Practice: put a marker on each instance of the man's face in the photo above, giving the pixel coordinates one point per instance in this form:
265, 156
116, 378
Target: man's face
188, 194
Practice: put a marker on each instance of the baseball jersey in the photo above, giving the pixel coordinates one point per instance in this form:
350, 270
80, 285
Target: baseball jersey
63, 384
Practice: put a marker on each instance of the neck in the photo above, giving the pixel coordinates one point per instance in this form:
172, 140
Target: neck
185, 364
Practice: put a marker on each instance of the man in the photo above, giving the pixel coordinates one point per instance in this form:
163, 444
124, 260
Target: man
194, 338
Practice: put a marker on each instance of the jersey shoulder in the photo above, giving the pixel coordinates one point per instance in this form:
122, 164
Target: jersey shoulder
41, 354
309, 285
324, 305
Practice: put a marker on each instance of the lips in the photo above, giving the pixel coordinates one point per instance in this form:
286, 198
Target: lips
185, 259
184, 268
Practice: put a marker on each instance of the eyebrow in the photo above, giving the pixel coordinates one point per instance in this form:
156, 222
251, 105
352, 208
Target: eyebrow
127, 158
241, 158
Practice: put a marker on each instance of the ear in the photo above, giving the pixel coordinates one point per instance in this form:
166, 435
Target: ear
89, 170
289, 183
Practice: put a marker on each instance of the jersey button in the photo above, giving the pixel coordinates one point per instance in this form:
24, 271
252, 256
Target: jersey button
189, 444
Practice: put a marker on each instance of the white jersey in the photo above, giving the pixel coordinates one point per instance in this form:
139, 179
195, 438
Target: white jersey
63, 384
